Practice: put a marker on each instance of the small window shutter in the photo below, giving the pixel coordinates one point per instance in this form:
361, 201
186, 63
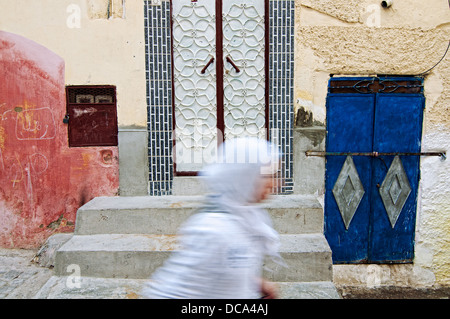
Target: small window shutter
92, 112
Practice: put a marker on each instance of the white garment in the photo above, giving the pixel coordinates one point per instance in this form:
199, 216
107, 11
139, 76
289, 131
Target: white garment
223, 246
218, 259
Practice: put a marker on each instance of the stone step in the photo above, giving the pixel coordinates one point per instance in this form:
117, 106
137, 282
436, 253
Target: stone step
163, 215
188, 186
65, 287
308, 256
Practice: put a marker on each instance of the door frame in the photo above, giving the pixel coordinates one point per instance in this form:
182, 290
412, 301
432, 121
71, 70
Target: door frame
219, 79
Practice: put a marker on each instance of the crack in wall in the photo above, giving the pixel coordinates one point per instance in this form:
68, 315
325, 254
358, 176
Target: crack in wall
348, 11
106, 9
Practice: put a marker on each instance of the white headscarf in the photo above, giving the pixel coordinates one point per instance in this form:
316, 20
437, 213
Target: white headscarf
233, 181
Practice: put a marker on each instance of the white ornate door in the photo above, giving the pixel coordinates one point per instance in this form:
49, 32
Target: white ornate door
215, 97
244, 85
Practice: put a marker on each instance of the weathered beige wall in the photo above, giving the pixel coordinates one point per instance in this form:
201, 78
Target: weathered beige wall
354, 37
433, 228
98, 48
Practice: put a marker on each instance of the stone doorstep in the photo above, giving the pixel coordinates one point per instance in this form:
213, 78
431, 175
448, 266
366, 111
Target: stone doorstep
138, 256
140, 202
291, 214
65, 287
187, 185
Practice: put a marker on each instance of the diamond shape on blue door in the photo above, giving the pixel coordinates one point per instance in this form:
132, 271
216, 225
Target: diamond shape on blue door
348, 191
395, 190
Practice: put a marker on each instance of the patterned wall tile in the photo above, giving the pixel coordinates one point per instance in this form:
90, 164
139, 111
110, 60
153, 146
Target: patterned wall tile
159, 96
281, 91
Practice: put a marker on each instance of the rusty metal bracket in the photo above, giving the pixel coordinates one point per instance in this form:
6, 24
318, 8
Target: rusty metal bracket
441, 154
376, 85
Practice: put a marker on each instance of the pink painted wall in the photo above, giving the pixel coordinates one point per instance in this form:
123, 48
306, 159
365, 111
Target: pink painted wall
42, 181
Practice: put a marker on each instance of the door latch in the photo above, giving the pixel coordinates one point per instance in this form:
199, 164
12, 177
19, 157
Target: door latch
66, 119
441, 154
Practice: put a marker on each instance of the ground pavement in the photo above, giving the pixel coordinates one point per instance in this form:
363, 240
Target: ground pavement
21, 277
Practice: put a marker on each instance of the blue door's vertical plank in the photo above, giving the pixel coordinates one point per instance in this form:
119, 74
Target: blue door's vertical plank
349, 129
397, 128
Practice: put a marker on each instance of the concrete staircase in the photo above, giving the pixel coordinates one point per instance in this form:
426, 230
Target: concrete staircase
119, 238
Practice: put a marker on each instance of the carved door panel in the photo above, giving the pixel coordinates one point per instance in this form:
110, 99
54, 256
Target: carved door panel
194, 46
219, 76
244, 80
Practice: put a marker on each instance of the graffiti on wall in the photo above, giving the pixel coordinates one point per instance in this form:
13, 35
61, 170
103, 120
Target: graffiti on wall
42, 181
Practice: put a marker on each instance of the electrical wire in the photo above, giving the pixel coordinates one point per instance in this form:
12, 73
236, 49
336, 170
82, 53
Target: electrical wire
448, 47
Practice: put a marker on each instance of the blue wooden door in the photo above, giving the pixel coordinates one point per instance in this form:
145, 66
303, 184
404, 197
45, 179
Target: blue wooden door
370, 201
397, 128
350, 127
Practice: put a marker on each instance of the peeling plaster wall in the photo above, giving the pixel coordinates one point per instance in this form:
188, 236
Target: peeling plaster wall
433, 228
375, 51
101, 9
361, 38
42, 181
101, 41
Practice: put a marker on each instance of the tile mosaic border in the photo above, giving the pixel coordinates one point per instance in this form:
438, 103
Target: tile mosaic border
281, 85
158, 61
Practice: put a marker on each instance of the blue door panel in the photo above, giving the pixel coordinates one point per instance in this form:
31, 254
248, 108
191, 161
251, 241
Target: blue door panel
387, 243
352, 127
398, 122
397, 128
347, 245
351, 130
